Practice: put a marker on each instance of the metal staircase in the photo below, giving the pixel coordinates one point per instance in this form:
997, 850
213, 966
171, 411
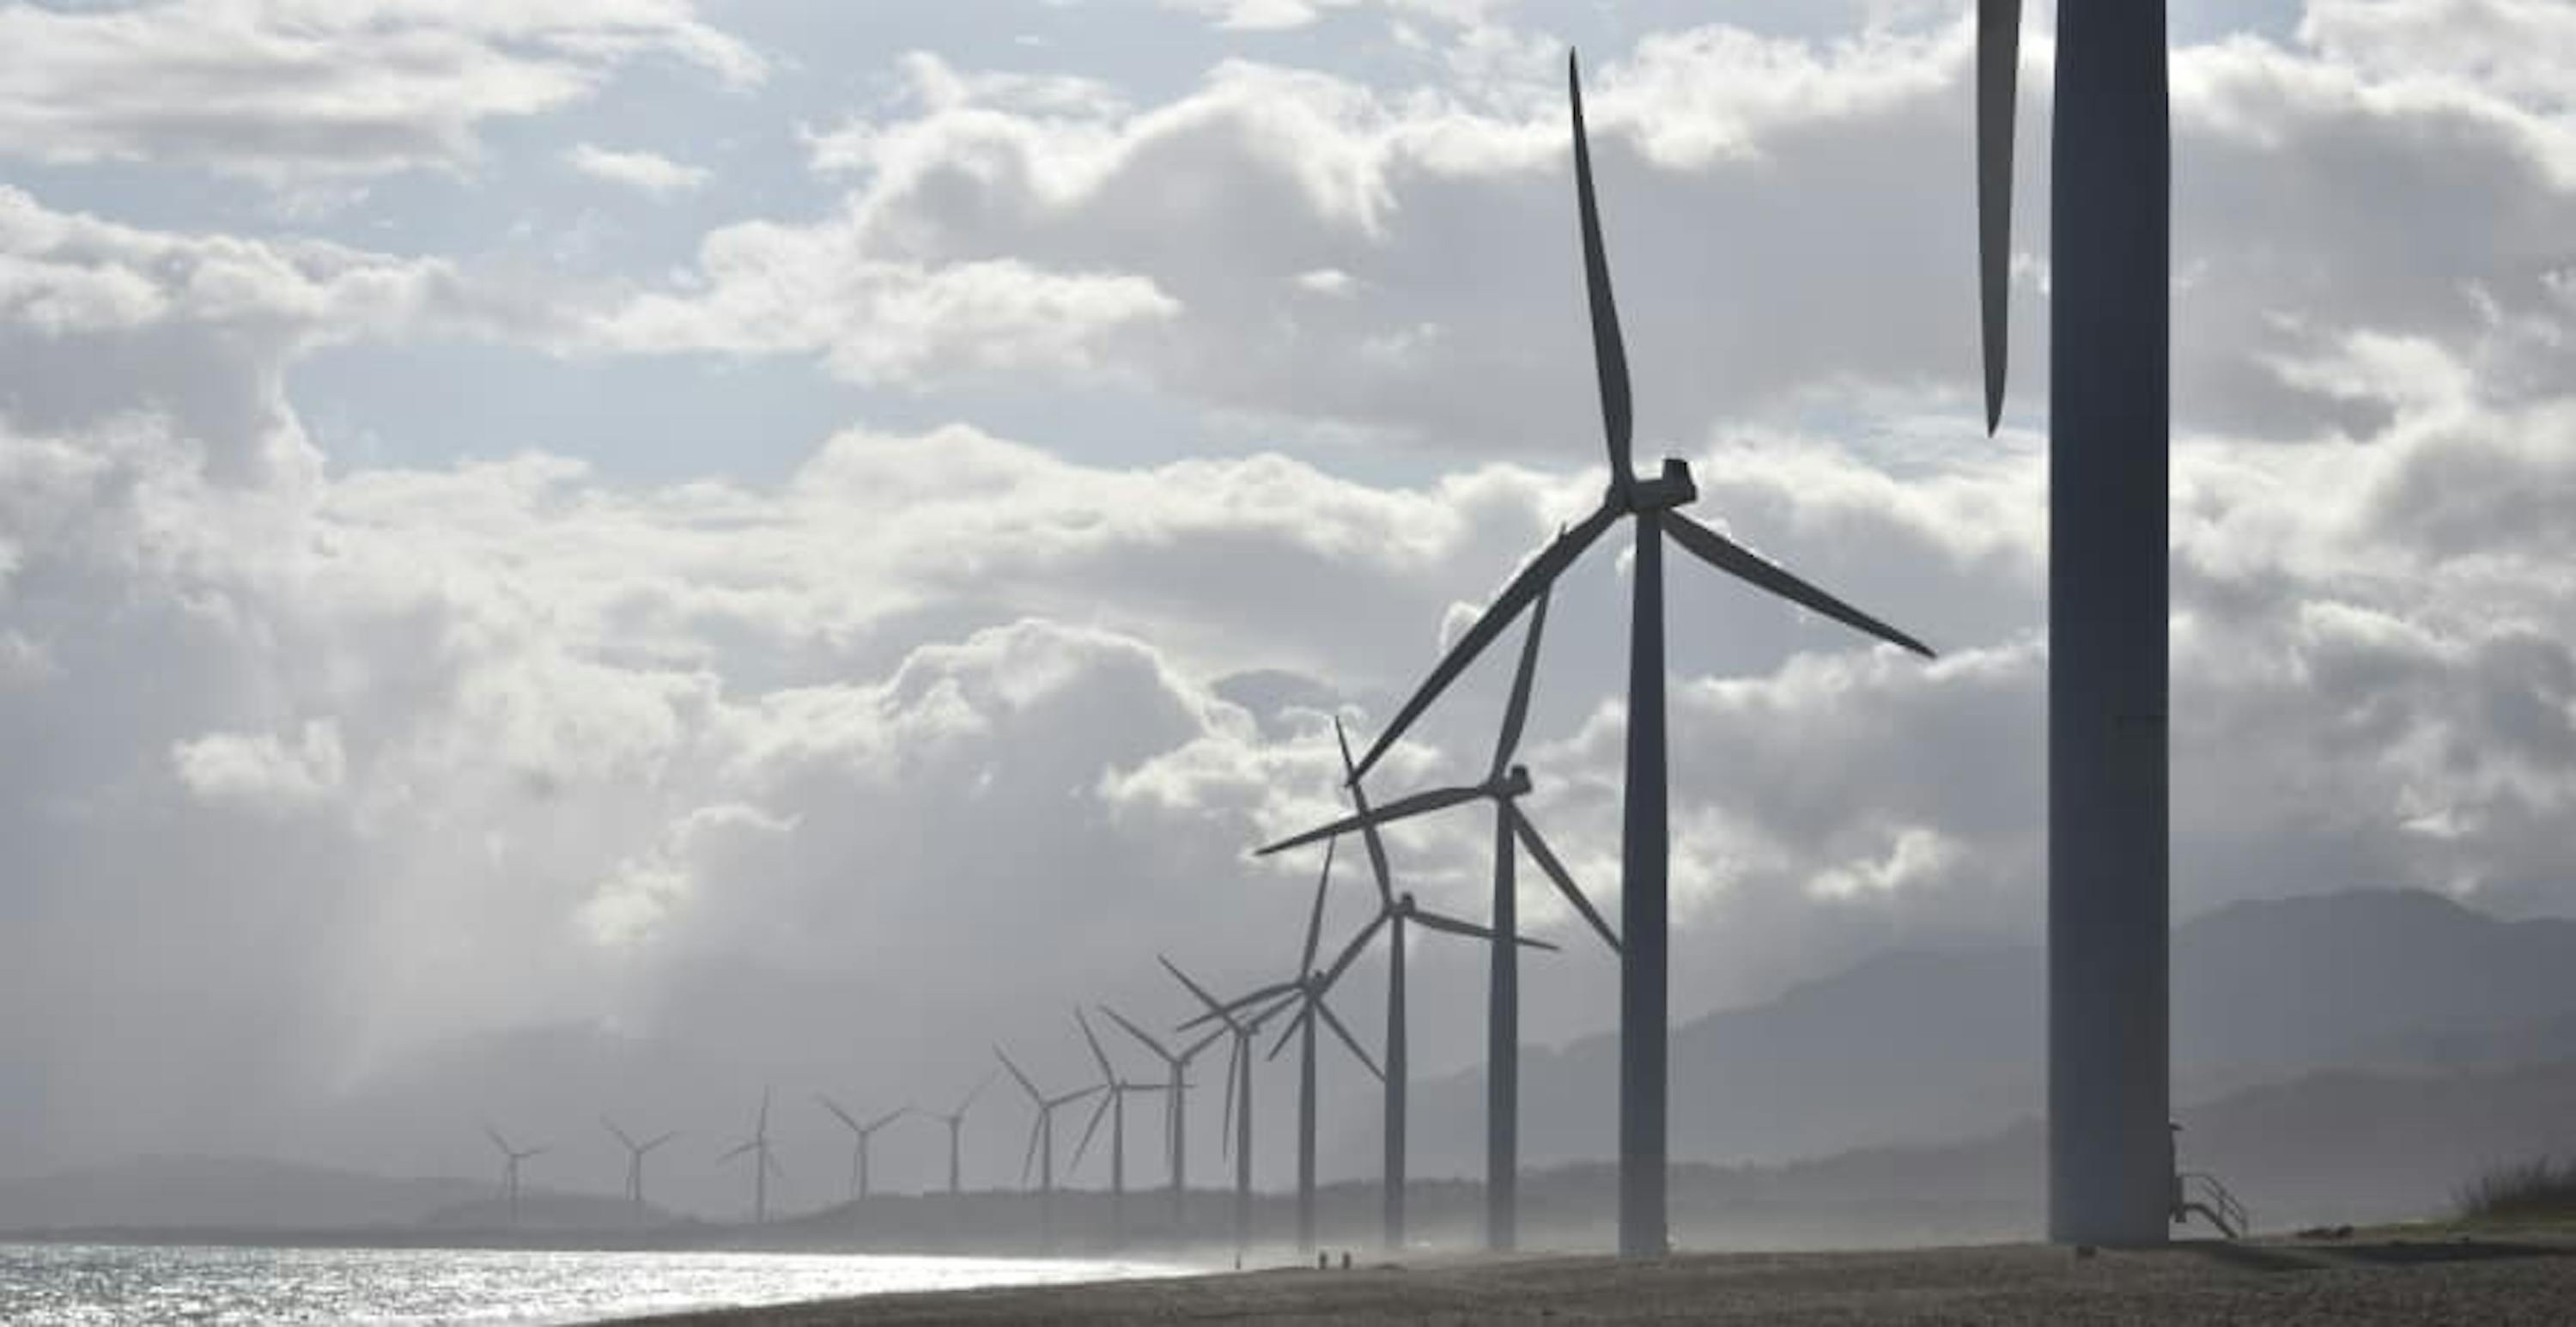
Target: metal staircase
2199, 1193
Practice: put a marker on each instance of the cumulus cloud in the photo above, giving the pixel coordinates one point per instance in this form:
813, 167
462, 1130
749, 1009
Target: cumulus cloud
645, 172
286, 90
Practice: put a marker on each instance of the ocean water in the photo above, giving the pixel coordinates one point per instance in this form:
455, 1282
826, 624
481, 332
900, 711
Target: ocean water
108, 1285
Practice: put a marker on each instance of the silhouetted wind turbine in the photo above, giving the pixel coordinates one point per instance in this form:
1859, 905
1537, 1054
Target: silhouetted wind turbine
1175, 1102
1235, 1132
1394, 912
1041, 1136
861, 1134
1113, 1104
510, 1159
956, 1122
1306, 991
2111, 1161
635, 1154
1645, 847
763, 1164
1505, 783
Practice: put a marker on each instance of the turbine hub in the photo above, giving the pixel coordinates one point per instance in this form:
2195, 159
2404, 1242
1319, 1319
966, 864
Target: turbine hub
1673, 488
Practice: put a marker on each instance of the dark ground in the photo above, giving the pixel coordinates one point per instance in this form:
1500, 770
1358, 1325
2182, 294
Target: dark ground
2428, 1278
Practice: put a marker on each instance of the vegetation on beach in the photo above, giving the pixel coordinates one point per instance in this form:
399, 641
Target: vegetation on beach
2522, 1192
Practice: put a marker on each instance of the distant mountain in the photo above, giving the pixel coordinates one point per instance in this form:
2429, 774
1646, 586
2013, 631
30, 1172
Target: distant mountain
2329, 1147
223, 1192
1910, 1046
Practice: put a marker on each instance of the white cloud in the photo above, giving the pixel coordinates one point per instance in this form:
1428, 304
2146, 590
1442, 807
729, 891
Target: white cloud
262, 771
289, 90
645, 172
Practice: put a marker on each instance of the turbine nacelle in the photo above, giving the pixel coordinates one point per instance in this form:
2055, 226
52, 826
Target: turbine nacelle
1515, 782
1673, 488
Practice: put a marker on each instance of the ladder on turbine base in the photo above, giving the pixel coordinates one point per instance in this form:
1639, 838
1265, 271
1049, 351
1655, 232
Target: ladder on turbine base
2198, 1193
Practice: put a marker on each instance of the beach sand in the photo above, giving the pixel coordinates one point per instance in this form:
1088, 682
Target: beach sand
2427, 1279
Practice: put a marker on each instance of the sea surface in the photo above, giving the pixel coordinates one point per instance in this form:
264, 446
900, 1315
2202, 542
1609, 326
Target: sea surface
99, 1285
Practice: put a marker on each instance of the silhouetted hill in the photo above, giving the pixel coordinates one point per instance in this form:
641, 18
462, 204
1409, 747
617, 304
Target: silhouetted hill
223, 1192
1913, 1046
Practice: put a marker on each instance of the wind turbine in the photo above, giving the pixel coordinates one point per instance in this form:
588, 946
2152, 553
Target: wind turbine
1175, 1101
1505, 783
1113, 1104
1655, 504
1306, 991
1041, 1136
1236, 1130
1394, 912
510, 1159
635, 1154
763, 1164
956, 1122
862, 1133
2110, 1151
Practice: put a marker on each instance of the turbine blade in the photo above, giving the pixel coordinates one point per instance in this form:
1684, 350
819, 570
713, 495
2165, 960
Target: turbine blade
1225, 1124
1225, 1011
1183, 978
497, 1140
1315, 919
1030, 1159
1304, 1013
738, 1151
1191, 1051
611, 1126
1333, 1021
1351, 952
1098, 1113
1025, 1084
1107, 1074
1546, 858
1386, 813
1734, 559
1140, 1034
657, 1142
1454, 926
1368, 827
770, 1161
888, 1118
1998, 71
1610, 357
1516, 595
835, 1108
985, 1082
1516, 714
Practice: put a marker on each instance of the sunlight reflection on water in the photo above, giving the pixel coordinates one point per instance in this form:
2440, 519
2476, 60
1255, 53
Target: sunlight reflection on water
98, 1285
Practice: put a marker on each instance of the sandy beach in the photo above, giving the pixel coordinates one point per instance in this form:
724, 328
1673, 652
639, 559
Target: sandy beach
2431, 1278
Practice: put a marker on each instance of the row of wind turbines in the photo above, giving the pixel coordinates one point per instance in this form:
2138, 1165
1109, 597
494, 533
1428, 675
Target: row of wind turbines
2110, 1157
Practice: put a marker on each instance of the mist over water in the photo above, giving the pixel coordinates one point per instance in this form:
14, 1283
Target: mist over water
101, 1285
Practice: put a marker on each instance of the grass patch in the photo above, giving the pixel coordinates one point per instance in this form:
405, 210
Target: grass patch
2523, 1191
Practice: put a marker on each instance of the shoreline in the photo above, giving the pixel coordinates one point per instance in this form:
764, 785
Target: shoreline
2500, 1277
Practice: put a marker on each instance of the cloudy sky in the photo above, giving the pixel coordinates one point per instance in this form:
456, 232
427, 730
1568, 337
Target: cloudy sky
829, 528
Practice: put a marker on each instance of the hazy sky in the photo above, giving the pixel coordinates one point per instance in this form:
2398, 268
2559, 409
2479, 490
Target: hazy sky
835, 525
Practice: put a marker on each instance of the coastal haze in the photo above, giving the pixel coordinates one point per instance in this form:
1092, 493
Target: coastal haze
614, 561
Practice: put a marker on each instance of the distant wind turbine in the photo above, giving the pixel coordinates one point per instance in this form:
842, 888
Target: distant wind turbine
956, 1122
1394, 912
510, 1159
1235, 1132
1175, 1102
635, 1154
763, 1164
1041, 1136
1655, 507
1504, 785
1113, 1104
1306, 992
861, 1134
